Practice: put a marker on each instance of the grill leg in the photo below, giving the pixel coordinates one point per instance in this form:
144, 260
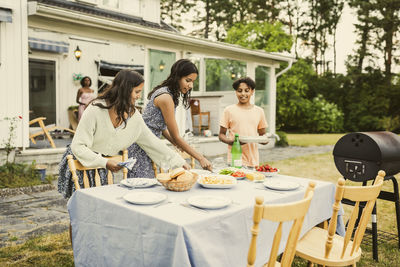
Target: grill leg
374, 235
397, 205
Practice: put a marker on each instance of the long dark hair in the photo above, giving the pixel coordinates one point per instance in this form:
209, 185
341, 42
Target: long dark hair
118, 95
181, 68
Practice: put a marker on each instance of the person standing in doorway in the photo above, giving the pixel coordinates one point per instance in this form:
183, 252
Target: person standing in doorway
159, 116
85, 95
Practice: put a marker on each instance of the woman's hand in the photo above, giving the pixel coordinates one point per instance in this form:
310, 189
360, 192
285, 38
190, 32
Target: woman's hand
113, 166
186, 166
205, 164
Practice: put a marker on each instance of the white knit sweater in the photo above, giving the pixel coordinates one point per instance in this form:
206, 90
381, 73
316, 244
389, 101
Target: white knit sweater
96, 135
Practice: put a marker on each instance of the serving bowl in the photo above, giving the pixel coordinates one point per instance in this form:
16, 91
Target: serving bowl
179, 186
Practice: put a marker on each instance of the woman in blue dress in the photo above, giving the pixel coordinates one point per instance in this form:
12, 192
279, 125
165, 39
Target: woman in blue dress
159, 116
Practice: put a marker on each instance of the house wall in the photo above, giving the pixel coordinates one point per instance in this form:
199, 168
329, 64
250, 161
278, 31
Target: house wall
93, 49
147, 9
14, 71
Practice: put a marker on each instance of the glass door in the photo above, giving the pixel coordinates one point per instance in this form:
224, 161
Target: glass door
42, 90
160, 66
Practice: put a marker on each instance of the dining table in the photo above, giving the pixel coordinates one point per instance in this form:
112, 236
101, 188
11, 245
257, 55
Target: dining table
109, 231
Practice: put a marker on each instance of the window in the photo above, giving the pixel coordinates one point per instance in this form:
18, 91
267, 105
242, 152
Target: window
263, 89
196, 60
220, 73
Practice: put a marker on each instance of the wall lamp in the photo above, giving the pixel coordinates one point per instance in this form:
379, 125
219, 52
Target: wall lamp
77, 53
162, 65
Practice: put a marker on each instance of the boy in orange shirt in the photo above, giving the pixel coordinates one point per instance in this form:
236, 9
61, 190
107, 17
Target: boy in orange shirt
245, 119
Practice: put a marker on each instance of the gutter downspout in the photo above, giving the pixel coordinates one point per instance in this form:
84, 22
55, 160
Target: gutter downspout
284, 70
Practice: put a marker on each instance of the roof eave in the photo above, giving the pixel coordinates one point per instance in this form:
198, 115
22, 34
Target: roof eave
167, 36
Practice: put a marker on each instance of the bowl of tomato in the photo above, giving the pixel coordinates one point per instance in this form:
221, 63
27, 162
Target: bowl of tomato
267, 170
239, 174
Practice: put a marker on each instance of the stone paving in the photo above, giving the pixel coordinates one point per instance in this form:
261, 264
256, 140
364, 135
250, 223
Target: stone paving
30, 214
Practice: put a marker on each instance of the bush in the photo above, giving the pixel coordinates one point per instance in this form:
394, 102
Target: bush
14, 175
322, 116
283, 140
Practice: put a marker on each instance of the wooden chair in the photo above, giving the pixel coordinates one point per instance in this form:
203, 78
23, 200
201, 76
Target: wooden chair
45, 131
294, 211
323, 246
75, 165
73, 117
196, 111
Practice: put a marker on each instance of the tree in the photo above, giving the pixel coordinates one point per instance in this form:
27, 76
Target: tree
387, 20
263, 36
363, 29
320, 22
218, 16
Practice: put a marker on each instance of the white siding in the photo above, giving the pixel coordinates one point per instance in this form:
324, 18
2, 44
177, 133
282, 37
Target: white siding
151, 10
66, 64
14, 71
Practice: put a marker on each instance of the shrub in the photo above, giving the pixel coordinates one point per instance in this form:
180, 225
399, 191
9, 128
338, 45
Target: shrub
322, 116
283, 140
14, 175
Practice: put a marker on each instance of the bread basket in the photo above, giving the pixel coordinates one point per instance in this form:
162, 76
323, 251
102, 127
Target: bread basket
179, 186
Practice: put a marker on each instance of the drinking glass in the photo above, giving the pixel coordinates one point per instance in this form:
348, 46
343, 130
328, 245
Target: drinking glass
165, 165
218, 163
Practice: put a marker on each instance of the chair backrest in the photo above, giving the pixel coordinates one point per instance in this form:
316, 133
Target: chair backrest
75, 165
293, 211
195, 106
367, 194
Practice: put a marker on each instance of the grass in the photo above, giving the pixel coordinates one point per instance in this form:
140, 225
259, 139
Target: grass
313, 139
55, 249
52, 250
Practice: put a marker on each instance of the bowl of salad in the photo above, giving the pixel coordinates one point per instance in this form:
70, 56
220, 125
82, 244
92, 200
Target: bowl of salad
232, 171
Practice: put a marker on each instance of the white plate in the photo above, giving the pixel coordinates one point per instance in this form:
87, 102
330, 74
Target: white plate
254, 139
144, 198
209, 202
138, 182
279, 184
217, 177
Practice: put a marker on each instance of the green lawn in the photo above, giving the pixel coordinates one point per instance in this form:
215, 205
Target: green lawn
313, 139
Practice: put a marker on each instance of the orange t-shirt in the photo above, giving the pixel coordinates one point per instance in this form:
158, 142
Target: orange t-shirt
245, 122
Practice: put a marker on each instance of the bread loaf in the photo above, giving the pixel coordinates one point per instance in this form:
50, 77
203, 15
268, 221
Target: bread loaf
176, 172
163, 177
186, 176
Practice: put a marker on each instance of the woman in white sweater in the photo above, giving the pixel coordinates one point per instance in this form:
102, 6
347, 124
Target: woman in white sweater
110, 124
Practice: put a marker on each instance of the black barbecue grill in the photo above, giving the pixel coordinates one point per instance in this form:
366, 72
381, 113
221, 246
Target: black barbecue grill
359, 156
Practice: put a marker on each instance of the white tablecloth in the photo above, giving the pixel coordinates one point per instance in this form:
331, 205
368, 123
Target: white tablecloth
107, 231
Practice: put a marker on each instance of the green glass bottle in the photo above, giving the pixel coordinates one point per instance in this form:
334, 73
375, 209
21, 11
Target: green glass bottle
236, 153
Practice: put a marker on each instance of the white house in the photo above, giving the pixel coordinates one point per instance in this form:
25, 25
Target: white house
38, 41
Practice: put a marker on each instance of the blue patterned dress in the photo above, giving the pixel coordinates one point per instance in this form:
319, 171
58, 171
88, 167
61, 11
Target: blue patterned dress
154, 119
